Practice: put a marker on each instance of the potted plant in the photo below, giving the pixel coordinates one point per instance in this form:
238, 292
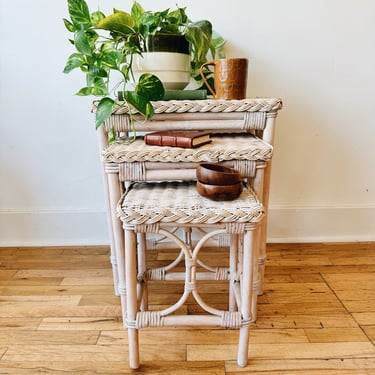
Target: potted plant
108, 60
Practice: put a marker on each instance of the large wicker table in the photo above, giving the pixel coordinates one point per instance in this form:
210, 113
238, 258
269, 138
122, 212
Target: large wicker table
242, 138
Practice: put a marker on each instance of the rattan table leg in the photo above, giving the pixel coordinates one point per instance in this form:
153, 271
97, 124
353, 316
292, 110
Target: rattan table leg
114, 186
142, 290
233, 270
248, 264
131, 297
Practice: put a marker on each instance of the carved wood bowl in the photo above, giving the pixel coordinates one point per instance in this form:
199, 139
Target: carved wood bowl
219, 192
215, 174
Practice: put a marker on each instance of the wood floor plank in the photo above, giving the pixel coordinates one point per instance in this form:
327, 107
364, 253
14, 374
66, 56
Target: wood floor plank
38, 299
365, 318
300, 293
173, 336
284, 351
99, 299
335, 320
46, 309
87, 353
97, 280
184, 368
356, 295
98, 323
333, 366
365, 305
17, 281
54, 338
306, 278
298, 261
350, 281
324, 308
5, 275
355, 258
57, 290
370, 332
357, 371
3, 350
291, 270
275, 278
24, 324
273, 336
304, 287
111, 368
65, 273
335, 335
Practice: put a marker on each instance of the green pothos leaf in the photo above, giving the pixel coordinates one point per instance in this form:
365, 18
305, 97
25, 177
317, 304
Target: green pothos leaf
97, 17
140, 103
104, 110
74, 61
69, 26
199, 34
150, 87
112, 135
121, 22
79, 13
82, 42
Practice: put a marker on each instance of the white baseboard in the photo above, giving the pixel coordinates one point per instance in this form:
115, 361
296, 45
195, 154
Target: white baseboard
53, 228
286, 224
321, 224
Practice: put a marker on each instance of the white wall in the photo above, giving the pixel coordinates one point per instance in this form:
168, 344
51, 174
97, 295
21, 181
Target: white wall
317, 55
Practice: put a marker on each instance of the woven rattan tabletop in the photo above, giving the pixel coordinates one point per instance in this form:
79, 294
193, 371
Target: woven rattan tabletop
182, 204
222, 148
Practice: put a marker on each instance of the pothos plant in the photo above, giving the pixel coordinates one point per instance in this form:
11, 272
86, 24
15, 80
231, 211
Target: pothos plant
105, 47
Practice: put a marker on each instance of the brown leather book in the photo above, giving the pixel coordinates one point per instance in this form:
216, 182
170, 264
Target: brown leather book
178, 138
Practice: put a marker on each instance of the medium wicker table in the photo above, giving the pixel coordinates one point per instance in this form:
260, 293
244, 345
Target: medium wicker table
249, 116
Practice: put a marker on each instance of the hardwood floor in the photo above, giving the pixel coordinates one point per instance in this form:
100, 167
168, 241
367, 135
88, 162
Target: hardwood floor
59, 315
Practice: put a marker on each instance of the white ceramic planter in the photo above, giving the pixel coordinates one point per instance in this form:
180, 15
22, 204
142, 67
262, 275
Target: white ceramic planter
172, 68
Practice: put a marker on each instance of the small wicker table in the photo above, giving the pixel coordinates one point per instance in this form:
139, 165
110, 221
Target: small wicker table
159, 208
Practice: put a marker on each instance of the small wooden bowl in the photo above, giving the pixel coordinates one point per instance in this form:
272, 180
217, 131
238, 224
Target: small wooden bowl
219, 192
215, 174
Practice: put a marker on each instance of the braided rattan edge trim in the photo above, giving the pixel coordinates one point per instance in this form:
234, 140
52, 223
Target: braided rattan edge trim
212, 105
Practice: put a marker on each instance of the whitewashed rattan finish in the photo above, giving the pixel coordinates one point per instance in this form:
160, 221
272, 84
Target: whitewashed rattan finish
254, 116
158, 208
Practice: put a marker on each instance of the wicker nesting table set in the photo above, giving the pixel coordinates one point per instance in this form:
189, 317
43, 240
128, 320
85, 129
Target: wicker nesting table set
155, 201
